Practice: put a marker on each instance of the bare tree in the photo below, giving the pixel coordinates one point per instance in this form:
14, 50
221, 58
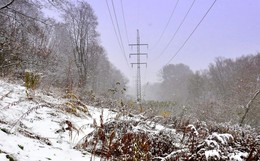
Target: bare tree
23, 38
82, 24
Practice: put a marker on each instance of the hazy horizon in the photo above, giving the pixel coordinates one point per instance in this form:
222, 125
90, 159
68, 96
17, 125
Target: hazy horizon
229, 30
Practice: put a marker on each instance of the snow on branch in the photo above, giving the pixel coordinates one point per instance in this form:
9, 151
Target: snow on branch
173, 154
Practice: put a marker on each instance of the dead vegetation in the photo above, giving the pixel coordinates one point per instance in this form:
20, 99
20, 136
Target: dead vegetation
140, 139
132, 136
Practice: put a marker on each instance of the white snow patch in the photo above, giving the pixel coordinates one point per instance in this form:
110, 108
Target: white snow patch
192, 129
224, 139
239, 156
212, 144
3, 157
212, 154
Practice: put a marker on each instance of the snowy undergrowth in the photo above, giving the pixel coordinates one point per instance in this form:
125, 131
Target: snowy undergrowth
36, 129
49, 127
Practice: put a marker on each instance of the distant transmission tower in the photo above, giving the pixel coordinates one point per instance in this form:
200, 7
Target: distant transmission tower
138, 64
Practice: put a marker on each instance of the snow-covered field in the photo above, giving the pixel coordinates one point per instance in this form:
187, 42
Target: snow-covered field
48, 127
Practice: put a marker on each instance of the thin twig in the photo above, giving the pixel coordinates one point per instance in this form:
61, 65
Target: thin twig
33, 18
27, 113
248, 106
8, 4
5, 95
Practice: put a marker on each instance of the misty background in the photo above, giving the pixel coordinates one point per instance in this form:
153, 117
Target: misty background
211, 71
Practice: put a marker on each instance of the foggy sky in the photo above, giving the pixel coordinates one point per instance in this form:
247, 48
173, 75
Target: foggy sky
231, 29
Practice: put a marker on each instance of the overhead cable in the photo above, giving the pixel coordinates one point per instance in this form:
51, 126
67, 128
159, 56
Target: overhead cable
167, 24
118, 40
124, 22
192, 32
120, 36
175, 33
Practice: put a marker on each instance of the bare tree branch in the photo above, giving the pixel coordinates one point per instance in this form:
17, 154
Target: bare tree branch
33, 18
248, 106
7, 5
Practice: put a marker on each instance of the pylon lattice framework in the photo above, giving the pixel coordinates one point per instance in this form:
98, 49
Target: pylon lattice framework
138, 65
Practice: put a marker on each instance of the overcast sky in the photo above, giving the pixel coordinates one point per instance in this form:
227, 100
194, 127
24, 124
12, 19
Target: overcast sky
231, 29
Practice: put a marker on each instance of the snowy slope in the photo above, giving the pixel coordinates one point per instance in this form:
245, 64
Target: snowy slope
29, 127
49, 127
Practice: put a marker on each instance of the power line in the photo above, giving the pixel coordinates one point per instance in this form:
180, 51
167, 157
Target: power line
192, 32
27, 16
118, 40
168, 44
166, 26
120, 36
113, 26
124, 22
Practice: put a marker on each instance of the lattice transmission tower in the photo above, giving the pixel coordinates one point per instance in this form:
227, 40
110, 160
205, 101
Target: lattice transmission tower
138, 65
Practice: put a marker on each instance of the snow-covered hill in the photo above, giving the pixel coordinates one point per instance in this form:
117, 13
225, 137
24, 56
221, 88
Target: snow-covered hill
55, 128
34, 130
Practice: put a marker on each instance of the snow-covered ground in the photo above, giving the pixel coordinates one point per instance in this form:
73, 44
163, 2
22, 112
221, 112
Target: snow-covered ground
49, 127
30, 128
